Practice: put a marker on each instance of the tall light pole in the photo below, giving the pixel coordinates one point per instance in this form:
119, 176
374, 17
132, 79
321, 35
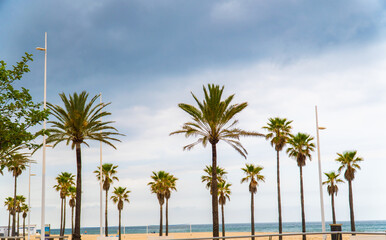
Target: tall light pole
29, 200
320, 174
42, 232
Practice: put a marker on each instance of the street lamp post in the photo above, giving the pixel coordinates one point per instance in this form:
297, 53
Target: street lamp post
42, 232
320, 174
29, 200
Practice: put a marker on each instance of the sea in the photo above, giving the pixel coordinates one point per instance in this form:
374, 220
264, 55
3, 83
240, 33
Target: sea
361, 226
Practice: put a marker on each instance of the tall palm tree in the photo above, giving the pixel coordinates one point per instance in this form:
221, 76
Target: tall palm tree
214, 121
20, 200
158, 186
120, 195
25, 210
224, 193
279, 130
108, 176
16, 165
300, 149
9, 203
332, 189
349, 161
72, 191
170, 186
254, 176
65, 180
78, 121
221, 176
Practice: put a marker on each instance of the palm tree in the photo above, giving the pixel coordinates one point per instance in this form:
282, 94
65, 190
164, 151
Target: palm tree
158, 186
221, 176
253, 173
349, 161
170, 186
213, 121
20, 200
9, 203
120, 195
224, 193
16, 165
72, 191
25, 210
77, 122
332, 189
65, 180
300, 150
108, 176
279, 130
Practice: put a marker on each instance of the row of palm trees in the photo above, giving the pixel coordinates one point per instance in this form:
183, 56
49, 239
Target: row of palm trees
20, 207
214, 120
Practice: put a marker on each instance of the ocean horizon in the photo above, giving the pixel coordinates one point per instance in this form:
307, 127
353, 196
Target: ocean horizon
361, 226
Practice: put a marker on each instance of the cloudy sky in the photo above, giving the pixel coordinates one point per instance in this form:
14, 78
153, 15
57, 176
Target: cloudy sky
282, 57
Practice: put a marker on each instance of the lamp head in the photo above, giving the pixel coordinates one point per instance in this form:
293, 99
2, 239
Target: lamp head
40, 49
322, 128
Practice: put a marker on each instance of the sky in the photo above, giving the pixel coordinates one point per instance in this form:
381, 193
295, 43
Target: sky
145, 57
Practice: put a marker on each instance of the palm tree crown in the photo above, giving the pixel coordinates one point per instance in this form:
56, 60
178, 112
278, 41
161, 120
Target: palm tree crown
332, 180
279, 129
120, 195
221, 176
253, 175
224, 192
349, 161
301, 147
65, 180
108, 174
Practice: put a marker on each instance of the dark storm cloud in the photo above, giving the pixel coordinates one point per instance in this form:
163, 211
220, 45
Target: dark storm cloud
140, 39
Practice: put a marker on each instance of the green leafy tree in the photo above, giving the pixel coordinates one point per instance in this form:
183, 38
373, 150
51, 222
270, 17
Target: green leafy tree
253, 176
207, 178
108, 176
224, 193
120, 195
9, 203
158, 186
300, 149
65, 180
25, 210
72, 191
19, 113
278, 132
214, 121
16, 164
170, 186
349, 161
80, 120
332, 189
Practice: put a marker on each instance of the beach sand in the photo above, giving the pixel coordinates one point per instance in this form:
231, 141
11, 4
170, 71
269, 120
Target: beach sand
153, 236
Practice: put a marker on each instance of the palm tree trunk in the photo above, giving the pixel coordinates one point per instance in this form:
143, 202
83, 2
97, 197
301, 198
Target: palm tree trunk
119, 224
72, 220
223, 220
64, 215
14, 209
106, 222
23, 227
302, 202
18, 226
9, 222
61, 217
167, 217
279, 195
160, 219
351, 206
214, 192
76, 234
252, 216
333, 209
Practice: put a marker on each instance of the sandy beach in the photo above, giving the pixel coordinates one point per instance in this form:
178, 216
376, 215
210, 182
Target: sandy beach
144, 236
